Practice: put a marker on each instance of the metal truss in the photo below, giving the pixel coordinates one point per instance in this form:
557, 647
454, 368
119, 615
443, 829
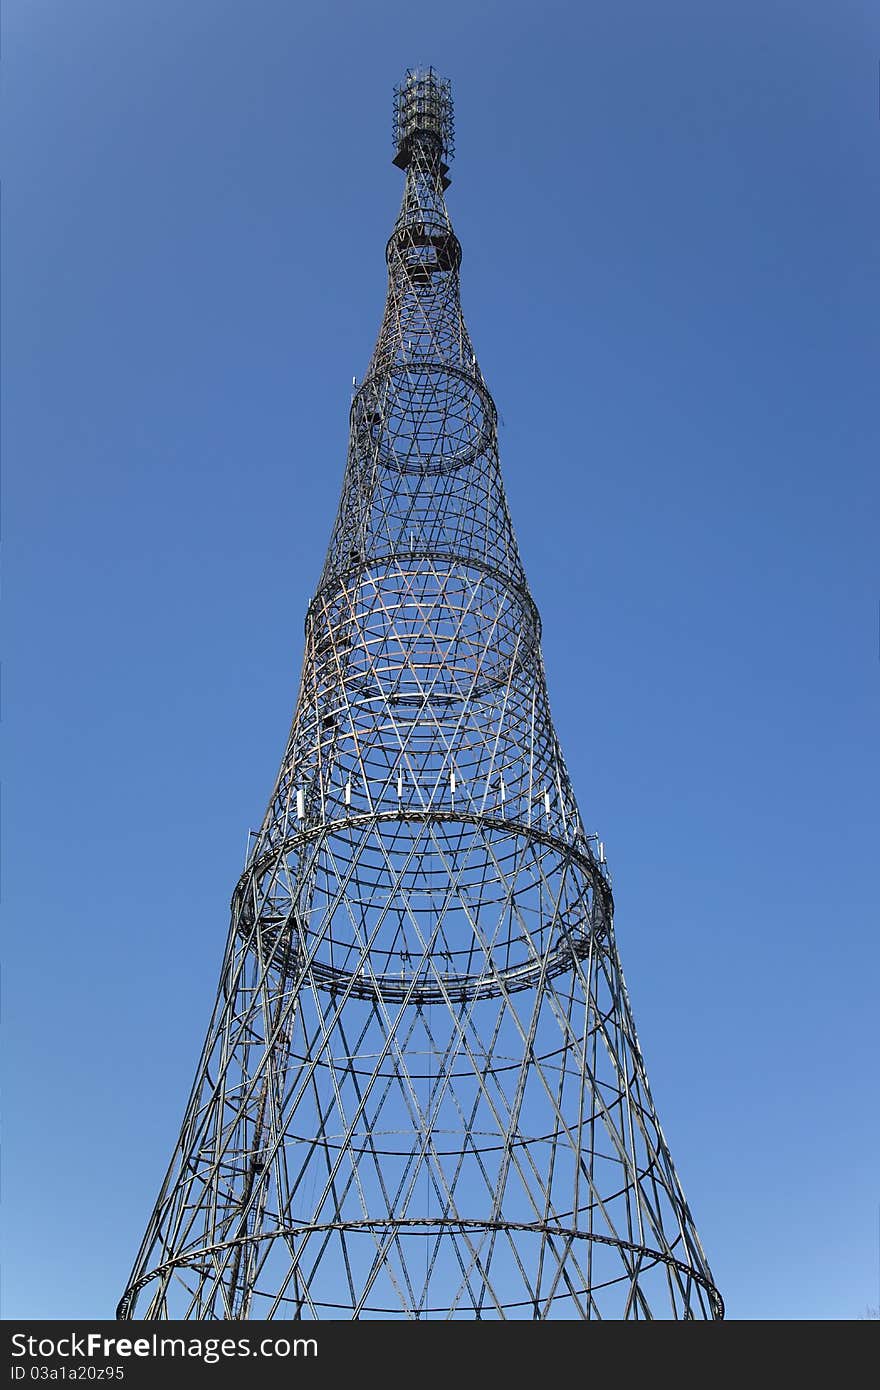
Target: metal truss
421, 1093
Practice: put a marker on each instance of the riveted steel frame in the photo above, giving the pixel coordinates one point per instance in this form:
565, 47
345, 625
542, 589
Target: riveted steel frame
421, 1093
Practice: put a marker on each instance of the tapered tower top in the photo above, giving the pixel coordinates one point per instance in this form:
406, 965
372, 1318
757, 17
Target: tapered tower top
423, 117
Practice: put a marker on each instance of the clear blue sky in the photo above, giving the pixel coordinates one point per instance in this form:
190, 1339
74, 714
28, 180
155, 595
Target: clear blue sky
669, 216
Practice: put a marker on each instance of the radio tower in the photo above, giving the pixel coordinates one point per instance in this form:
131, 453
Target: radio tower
421, 1093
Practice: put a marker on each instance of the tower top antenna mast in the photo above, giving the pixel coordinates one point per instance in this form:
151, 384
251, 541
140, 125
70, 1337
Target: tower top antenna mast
423, 118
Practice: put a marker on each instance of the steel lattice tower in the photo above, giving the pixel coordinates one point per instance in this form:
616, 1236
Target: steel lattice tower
421, 1092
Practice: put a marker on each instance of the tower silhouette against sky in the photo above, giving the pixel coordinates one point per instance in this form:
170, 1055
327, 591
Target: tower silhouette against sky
421, 1094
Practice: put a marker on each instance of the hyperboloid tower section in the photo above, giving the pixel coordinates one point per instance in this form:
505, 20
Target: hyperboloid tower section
421, 1094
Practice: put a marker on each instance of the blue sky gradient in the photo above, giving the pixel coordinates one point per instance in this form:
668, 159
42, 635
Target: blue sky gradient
669, 220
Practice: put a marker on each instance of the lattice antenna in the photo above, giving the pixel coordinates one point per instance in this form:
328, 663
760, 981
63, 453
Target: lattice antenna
423, 116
